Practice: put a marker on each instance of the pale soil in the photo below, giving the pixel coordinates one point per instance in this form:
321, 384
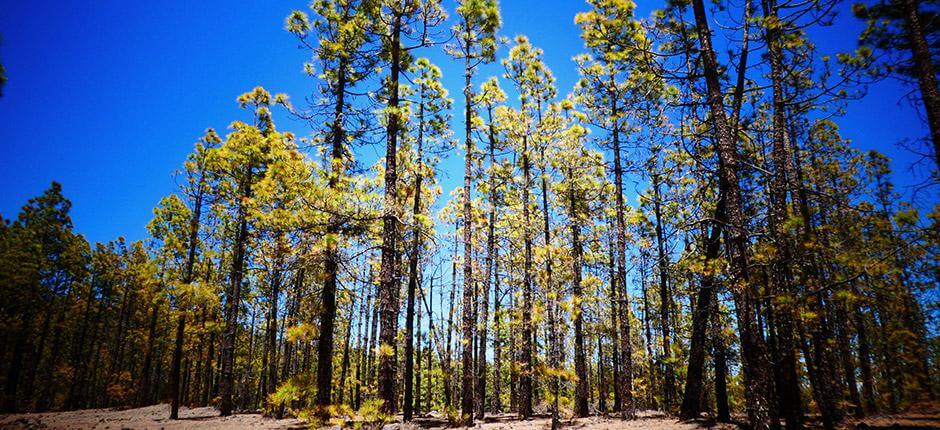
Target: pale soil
646, 420
155, 417
150, 417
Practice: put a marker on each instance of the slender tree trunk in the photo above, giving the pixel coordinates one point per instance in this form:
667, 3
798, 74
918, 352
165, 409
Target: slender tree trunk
701, 315
271, 346
525, 373
647, 330
467, 379
496, 398
669, 380
449, 394
614, 316
490, 252
864, 359
430, 306
601, 374
143, 395
788, 390
625, 385
582, 388
331, 256
389, 282
414, 257
722, 409
417, 359
233, 301
362, 344
344, 367
758, 385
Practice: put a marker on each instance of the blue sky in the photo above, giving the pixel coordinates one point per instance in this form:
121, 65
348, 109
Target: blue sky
107, 97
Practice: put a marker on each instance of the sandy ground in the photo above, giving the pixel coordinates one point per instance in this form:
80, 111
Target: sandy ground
151, 417
645, 421
155, 417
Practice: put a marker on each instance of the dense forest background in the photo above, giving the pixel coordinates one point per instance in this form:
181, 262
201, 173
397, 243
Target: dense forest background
683, 230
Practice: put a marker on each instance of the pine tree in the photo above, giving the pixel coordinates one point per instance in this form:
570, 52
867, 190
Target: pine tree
475, 43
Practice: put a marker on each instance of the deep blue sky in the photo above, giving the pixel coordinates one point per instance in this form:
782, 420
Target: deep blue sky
107, 97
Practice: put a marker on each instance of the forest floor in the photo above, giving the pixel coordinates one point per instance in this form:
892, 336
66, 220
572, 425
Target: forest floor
150, 417
155, 417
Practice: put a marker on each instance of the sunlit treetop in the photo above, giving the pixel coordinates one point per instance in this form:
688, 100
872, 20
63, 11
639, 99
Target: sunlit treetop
475, 31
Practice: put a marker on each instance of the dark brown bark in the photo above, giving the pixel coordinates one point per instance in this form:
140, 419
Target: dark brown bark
525, 367
188, 275
389, 283
271, 374
363, 346
490, 252
581, 389
430, 308
413, 258
758, 385
331, 255
497, 401
344, 366
625, 384
469, 325
665, 298
233, 301
449, 395
614, 317
701, 316
788, 386
417, 360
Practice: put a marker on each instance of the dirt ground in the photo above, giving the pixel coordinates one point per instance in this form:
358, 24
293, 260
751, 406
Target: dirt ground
151, 417
155, 417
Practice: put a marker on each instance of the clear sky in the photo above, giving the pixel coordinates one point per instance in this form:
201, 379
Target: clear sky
107, 97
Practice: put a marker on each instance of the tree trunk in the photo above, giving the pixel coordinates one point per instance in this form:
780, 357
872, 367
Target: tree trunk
701, 315
388, 272
669, 379
552, 299
582, 388
924, 68
417, 359
414, 257
331, 255
864, 359
496, 398
449, 394
614, 316
625, 385
525, 368
344, 367
758, 385
490, 250
469, 325
232, 302
788, 390
188, 275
